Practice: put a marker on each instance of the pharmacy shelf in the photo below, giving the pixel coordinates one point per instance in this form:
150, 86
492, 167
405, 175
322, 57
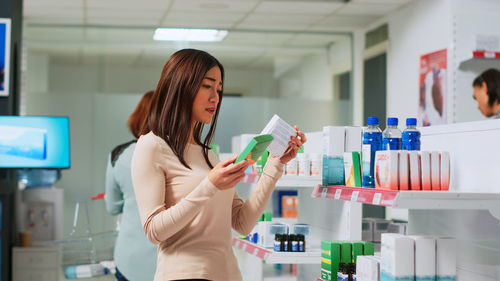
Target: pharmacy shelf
288, 181
272, 257
480, 61
428, 200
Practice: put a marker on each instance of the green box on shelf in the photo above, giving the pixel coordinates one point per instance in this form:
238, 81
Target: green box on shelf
368, 249
330, 259
357, 250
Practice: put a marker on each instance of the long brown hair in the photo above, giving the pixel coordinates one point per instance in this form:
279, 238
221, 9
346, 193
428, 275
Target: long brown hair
172, 104
136, 122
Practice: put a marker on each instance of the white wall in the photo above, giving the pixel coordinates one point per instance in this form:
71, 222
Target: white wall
310, 79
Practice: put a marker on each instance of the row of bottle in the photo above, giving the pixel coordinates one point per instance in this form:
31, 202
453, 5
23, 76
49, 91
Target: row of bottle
390, 139
289, 243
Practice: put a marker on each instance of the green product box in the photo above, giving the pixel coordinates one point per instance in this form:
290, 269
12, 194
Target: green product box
357, 250
330, 258
345, 252
254, 149
368, 249
267, 216
261, 162
326, 275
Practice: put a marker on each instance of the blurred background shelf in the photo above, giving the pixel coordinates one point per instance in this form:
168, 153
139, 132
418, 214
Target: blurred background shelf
272, 257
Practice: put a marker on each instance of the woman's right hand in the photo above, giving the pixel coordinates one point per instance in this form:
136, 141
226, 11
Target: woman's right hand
225, 175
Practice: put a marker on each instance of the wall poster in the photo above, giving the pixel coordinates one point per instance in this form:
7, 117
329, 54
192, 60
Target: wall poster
4, 56
432, 107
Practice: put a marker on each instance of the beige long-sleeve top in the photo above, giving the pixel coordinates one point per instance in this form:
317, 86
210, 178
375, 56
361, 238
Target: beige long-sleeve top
189, 217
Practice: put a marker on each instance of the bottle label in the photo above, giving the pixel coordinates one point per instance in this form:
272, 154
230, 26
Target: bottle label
277, 246
295, 246
366, 151
301, 246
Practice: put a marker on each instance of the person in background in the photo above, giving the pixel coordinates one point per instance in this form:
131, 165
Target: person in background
135, 256
186, 196
487, 92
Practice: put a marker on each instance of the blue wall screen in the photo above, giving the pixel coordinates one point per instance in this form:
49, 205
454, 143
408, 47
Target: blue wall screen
34, 142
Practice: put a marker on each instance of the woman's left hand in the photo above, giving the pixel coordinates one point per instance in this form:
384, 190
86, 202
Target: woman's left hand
293, 146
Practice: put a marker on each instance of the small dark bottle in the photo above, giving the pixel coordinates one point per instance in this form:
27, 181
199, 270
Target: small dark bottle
295, 243
278, 242
290, 240
284, 243
302, 242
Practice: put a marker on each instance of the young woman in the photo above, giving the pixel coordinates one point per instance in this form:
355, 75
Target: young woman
487, 92
186, 196
134, 255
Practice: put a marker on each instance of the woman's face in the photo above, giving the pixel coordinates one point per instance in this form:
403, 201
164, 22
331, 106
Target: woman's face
481, 96
207, 98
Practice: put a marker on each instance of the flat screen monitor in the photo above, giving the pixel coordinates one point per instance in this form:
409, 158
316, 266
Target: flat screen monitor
34, 142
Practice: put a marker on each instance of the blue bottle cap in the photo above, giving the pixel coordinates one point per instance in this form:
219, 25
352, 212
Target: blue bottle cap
372, 121
392, 121
411, 121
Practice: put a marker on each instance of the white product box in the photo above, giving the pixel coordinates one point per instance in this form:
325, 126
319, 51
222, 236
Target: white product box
386, 169
333, 155
415, 180
404, 170
425, 166
435, 170
445, 170
333, 141
368, 268
266, 239
425, 258
353, 139
446, 258
281, 132
398, 257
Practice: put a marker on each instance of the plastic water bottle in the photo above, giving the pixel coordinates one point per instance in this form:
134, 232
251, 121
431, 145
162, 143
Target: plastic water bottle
411, 136
372, 141
391, 137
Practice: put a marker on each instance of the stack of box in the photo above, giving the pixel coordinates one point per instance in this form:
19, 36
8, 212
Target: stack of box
417, 258
412, 170
338, 258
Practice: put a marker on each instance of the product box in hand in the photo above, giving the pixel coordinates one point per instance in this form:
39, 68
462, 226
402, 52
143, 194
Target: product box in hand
386, 169
281, 132
333, 155
254, 149
398, 258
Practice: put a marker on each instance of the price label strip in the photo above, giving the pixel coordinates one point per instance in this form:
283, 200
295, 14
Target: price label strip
324, 192
338, 192
376, 198
354, 196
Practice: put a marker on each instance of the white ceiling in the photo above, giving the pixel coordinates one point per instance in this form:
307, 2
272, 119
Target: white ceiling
261, 31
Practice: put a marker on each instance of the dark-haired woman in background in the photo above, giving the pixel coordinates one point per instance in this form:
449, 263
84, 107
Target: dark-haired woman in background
186, 196
487, 92
135, 256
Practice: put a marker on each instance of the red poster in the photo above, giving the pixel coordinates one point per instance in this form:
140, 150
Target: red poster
432, 107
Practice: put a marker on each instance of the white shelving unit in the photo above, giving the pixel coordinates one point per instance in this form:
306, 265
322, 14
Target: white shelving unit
480, 60
416, 200
288, 181
271, 257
